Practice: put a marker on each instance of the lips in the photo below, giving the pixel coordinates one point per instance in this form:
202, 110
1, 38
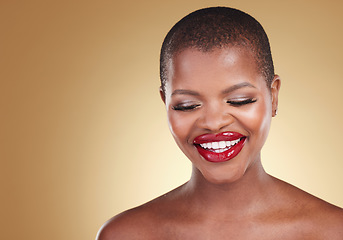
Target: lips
219, 147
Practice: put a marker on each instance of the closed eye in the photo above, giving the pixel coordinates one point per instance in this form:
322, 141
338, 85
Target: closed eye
238, 103
182, 107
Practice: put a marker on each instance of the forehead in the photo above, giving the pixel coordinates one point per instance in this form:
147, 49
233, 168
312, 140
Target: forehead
191, 67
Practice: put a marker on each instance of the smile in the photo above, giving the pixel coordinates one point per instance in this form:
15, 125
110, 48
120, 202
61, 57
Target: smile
220, 147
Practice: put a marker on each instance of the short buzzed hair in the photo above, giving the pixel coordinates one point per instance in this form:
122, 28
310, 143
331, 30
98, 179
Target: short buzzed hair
217, 28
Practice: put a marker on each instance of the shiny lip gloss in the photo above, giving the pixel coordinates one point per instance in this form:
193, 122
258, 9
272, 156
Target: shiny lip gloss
219, 147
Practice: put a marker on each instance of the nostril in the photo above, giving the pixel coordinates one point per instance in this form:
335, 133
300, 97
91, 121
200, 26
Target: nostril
215, 120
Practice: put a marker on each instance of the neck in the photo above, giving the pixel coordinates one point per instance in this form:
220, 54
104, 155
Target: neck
241, 196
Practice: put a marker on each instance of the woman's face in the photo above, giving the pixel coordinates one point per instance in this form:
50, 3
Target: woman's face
219, 110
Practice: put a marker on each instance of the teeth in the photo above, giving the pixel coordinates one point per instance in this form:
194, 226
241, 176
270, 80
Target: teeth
222, 144
219, 146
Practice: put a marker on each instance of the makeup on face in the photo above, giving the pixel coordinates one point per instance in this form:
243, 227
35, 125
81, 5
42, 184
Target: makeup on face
219, 111
219, 147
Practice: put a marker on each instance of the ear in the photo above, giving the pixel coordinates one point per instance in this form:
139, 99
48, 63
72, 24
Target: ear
274, 89
163, 97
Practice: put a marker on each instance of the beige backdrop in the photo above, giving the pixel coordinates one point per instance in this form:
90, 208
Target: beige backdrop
84, 133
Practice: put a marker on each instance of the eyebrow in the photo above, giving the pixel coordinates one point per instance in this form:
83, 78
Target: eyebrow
237, 86
225, 91
185, 92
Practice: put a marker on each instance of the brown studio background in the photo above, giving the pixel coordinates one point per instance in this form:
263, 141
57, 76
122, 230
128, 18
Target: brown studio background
84, 133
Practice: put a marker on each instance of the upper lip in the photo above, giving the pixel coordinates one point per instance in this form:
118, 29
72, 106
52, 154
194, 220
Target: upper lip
223, 136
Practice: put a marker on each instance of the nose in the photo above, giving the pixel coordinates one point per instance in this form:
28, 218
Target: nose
215, 119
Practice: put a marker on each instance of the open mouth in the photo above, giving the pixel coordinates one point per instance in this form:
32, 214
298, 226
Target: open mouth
221, 147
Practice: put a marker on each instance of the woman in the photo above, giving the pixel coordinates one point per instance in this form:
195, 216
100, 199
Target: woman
220, 92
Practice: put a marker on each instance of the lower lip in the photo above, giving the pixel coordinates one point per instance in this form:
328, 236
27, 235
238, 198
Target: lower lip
223, 156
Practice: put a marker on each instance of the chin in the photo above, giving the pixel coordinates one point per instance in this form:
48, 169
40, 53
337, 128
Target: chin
222, 176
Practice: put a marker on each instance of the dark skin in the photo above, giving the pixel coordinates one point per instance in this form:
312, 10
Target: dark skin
236, 199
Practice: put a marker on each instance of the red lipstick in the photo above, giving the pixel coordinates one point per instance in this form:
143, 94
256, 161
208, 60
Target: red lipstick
219, 147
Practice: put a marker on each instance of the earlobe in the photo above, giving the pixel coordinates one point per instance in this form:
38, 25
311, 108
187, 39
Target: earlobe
275, 88
163, 97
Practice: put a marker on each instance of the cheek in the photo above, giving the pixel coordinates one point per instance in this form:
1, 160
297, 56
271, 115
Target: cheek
258, 119
179, 125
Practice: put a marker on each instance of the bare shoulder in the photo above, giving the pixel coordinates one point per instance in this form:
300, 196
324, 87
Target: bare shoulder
137, 223
324, 220
140, 222
131, 224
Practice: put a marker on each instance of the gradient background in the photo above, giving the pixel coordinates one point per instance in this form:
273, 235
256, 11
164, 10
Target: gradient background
83, 131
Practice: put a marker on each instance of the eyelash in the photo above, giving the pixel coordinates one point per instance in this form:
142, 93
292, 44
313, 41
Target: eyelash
194, 106
243, 102
185, 107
